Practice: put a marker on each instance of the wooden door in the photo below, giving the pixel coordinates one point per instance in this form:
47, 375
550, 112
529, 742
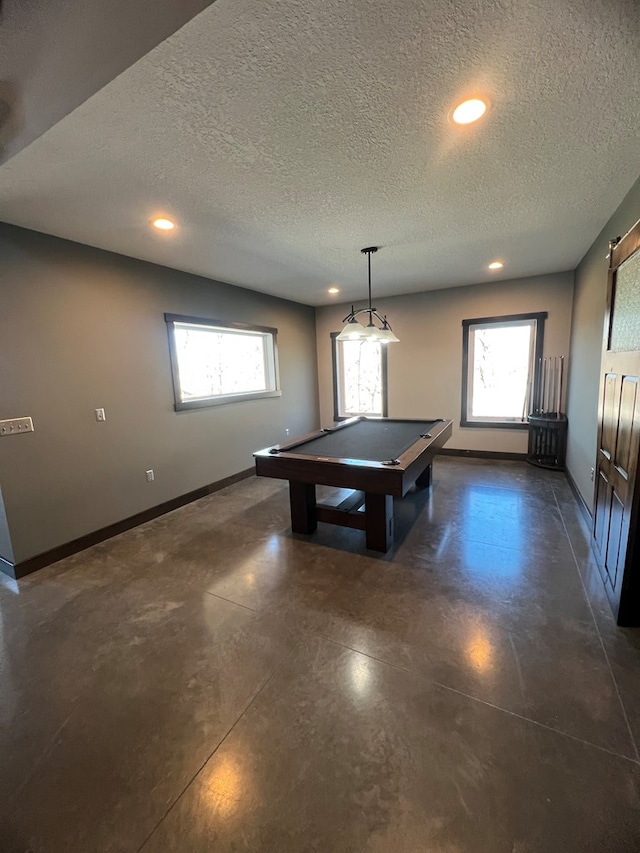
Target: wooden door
617, 490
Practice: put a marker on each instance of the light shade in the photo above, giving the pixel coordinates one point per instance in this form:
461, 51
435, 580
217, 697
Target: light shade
373, 333
388, 337
352, 331
386, 333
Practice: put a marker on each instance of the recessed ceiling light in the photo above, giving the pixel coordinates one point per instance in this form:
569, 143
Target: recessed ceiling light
496, 265
163, 224
469, 111
333, 290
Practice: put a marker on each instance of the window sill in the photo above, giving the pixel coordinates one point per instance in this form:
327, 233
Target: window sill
222, 401
493, 425
359, 415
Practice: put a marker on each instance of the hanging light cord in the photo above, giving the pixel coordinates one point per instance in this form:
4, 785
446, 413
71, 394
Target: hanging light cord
371, 311
368, 253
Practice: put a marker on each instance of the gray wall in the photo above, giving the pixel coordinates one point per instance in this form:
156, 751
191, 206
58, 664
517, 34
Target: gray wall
589, 301
425, 368
81, 328
54, 54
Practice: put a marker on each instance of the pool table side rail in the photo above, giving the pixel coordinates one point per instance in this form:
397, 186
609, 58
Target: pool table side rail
310, 436
412, 461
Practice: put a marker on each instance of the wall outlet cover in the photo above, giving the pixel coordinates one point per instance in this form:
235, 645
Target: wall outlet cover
15, 426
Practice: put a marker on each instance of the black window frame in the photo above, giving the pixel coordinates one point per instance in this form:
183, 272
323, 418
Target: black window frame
539, 317
221, 400
334, 372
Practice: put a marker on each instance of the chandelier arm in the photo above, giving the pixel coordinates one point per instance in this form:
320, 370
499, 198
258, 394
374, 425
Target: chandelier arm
364, 311
372, 312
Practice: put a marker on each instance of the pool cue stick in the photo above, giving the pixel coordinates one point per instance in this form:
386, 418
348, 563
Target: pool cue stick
561, 384
540, 381
546, 384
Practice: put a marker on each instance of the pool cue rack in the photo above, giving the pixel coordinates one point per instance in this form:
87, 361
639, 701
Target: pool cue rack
547, 423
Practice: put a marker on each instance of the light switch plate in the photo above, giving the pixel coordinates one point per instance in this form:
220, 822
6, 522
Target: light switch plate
15, 426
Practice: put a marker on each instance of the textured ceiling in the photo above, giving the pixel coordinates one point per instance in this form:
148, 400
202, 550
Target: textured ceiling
284, 135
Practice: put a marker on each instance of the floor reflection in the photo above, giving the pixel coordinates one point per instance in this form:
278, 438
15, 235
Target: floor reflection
480, 653
9, 584
360, 672
226, 787
496, 516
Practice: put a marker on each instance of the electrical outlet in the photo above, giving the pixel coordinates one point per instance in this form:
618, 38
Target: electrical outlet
15, 426
593, 473
100, 415
150, 475
286, 432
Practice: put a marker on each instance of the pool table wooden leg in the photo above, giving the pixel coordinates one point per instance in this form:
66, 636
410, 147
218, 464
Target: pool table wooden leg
302, 498
378, 521
424, 479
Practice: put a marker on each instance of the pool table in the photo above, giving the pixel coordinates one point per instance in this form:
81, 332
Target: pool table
379, 458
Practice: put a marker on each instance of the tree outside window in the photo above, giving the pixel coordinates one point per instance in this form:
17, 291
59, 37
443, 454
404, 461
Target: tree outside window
359, 378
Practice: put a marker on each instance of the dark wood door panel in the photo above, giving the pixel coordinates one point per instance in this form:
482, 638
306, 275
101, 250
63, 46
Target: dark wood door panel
615, 539
617, 493
628, 401
610, 415
601, 514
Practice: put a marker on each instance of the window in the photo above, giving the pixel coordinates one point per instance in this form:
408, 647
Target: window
214, 362
500, 369
359, 378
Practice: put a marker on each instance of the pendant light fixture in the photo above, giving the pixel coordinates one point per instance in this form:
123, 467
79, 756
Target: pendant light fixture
355, 331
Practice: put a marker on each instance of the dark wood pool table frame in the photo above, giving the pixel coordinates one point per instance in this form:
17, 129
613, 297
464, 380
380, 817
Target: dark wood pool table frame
377, 483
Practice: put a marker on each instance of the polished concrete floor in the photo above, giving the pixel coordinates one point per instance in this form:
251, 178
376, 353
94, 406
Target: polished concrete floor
211, 682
